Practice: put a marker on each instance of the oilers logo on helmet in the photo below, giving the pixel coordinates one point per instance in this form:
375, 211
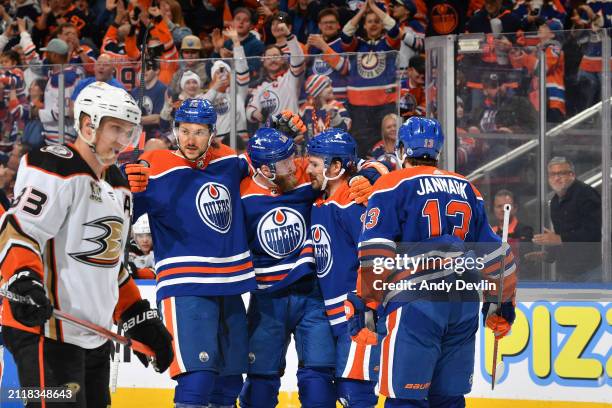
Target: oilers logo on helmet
214, 204
322, 249
281, 231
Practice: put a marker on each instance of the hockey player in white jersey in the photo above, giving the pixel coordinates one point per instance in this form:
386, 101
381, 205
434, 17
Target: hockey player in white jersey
62, 243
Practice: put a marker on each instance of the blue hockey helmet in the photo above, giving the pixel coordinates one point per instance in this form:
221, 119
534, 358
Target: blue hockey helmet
269, 146
196, 111
420, 137
333, 144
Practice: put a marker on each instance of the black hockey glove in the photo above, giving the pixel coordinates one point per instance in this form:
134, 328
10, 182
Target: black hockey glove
140, 322
28, 283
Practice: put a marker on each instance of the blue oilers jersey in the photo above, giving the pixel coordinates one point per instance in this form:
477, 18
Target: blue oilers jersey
278, 229
336, 225
421, 205
196, 221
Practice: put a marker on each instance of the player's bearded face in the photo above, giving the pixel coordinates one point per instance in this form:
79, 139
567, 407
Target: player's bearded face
285, 173
315, 172
193, 139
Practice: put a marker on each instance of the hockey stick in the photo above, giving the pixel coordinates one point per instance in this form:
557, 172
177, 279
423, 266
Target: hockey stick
500, 294
83, 324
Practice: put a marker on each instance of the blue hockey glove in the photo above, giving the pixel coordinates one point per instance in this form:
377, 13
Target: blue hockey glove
361, 320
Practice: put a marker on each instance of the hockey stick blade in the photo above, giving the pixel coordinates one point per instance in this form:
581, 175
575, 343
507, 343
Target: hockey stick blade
94, 328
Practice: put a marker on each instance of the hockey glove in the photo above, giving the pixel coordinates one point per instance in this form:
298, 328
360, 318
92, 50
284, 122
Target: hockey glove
289, 123
500, 321
28, 283
138, 176
360, 189
140, 322
361, 320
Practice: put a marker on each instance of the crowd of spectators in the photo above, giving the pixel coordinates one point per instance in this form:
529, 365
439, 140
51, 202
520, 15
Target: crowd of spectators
353, 64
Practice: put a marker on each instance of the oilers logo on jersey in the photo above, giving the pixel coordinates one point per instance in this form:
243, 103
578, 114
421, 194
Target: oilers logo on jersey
270, 101
281, 231
371, 64
320, 67
322, 249
214, 204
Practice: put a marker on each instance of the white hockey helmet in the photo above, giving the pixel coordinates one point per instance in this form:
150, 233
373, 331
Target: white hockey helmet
100, 100
141, 226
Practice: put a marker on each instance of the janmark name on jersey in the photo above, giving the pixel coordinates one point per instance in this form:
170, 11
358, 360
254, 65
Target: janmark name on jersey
442, 184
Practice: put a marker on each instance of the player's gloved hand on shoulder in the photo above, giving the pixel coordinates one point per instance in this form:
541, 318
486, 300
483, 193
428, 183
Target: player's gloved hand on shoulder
361, 320
289, 123
360, 186
138, 176
28, 283
140, 322
500, 321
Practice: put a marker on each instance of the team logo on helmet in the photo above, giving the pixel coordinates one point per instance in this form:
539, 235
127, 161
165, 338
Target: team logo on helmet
281, 231
214, 203
322, 249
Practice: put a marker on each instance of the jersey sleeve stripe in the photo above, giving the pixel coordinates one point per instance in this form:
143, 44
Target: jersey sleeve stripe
202, 259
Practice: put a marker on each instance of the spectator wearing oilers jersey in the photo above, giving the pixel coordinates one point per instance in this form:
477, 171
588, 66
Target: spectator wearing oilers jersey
443, 17
79, 54
372, 84
336, 223
555, 70
219, 92
322, 111
113, 44
324, 52
56, 54
13, 103
281, 85
425, 212
55, 254
253, 47
160, 39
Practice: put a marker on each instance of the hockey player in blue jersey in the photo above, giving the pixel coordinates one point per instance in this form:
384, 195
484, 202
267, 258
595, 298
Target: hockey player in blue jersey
277, 202
336, 225
427, 350
203, 262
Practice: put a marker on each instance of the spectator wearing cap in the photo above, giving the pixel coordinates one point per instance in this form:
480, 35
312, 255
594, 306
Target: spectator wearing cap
412, 31
281, 84
152, 100
81, 55
190, 60
412, 92
160, 44
575, 212
191, 87
372, 87
321, 110
219, 92
252, 46
555, 70
384, 149
57, 54
304, 18
325, 49
104, 71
